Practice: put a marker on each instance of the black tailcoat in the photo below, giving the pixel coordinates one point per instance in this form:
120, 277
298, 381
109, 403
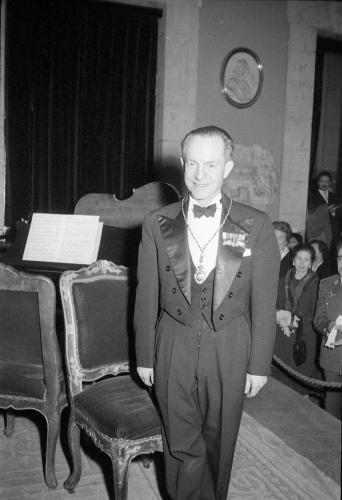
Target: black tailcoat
241, 338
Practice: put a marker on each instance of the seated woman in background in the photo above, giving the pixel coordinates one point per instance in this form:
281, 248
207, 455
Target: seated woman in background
294, 319
328, 317
321, 264
294, 240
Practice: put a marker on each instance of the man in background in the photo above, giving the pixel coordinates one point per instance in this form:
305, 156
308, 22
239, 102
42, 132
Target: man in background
324, 212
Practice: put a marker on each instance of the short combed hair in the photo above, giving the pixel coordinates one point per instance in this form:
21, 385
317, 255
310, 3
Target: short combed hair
304, 248
210, 131
284, 227
324, 173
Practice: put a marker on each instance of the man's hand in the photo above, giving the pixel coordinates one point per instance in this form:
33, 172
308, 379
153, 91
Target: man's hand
330, 326
332, 209
253, 384
146, 375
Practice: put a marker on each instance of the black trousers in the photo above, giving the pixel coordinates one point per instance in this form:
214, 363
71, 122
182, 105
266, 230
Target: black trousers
199, 380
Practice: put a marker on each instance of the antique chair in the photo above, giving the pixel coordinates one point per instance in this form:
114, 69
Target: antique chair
115, 411
31, 374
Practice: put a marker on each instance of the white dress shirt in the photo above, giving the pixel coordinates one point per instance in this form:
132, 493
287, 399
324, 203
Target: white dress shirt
325, 195
204, 228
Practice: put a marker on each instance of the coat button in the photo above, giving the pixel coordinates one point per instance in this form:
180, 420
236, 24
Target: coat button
167, 268
221, 317
239, 274
179, 312
230, 295
174, 290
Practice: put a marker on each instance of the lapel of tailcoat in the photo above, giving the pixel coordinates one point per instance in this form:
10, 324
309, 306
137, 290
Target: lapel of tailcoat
174, 233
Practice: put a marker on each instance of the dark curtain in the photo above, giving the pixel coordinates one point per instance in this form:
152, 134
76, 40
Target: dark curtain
325, 48
80, 90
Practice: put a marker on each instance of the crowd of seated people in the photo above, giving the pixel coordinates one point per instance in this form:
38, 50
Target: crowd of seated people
302, 329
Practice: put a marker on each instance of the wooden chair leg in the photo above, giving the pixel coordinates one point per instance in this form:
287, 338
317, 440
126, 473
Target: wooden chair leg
120, 477
9, 423
53, 425
75, 450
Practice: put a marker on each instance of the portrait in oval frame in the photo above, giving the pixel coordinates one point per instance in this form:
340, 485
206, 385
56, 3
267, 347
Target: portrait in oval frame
241, 77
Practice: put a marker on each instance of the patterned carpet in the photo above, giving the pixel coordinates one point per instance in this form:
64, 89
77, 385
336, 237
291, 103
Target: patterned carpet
264, 469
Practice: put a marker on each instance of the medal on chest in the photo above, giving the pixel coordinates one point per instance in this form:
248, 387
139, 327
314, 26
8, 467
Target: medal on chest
199, 274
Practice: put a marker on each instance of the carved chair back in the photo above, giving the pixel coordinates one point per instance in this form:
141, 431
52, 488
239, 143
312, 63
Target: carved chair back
97, 312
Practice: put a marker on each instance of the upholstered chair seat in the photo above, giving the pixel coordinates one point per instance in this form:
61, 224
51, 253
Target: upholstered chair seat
119, 408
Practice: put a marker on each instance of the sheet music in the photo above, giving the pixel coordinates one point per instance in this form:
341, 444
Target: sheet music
69, 239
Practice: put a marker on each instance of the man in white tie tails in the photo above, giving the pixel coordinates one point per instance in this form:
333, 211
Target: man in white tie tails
205, 316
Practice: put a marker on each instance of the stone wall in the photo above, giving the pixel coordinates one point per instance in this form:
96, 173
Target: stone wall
254, 179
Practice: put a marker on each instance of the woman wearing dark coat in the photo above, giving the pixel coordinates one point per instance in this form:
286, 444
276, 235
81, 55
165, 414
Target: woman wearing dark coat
299, 299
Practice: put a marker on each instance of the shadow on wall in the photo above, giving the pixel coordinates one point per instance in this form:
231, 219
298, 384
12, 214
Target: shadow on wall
170, 171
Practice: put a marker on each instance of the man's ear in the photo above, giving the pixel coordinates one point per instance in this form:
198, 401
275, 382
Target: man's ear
228, 168
182, 161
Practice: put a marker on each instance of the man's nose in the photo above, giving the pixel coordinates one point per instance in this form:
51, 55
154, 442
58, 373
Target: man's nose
199, 172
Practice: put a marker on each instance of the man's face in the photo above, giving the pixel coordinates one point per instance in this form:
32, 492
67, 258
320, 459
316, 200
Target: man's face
324, 182
339, 262
302, 261
205, 167
292, 243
